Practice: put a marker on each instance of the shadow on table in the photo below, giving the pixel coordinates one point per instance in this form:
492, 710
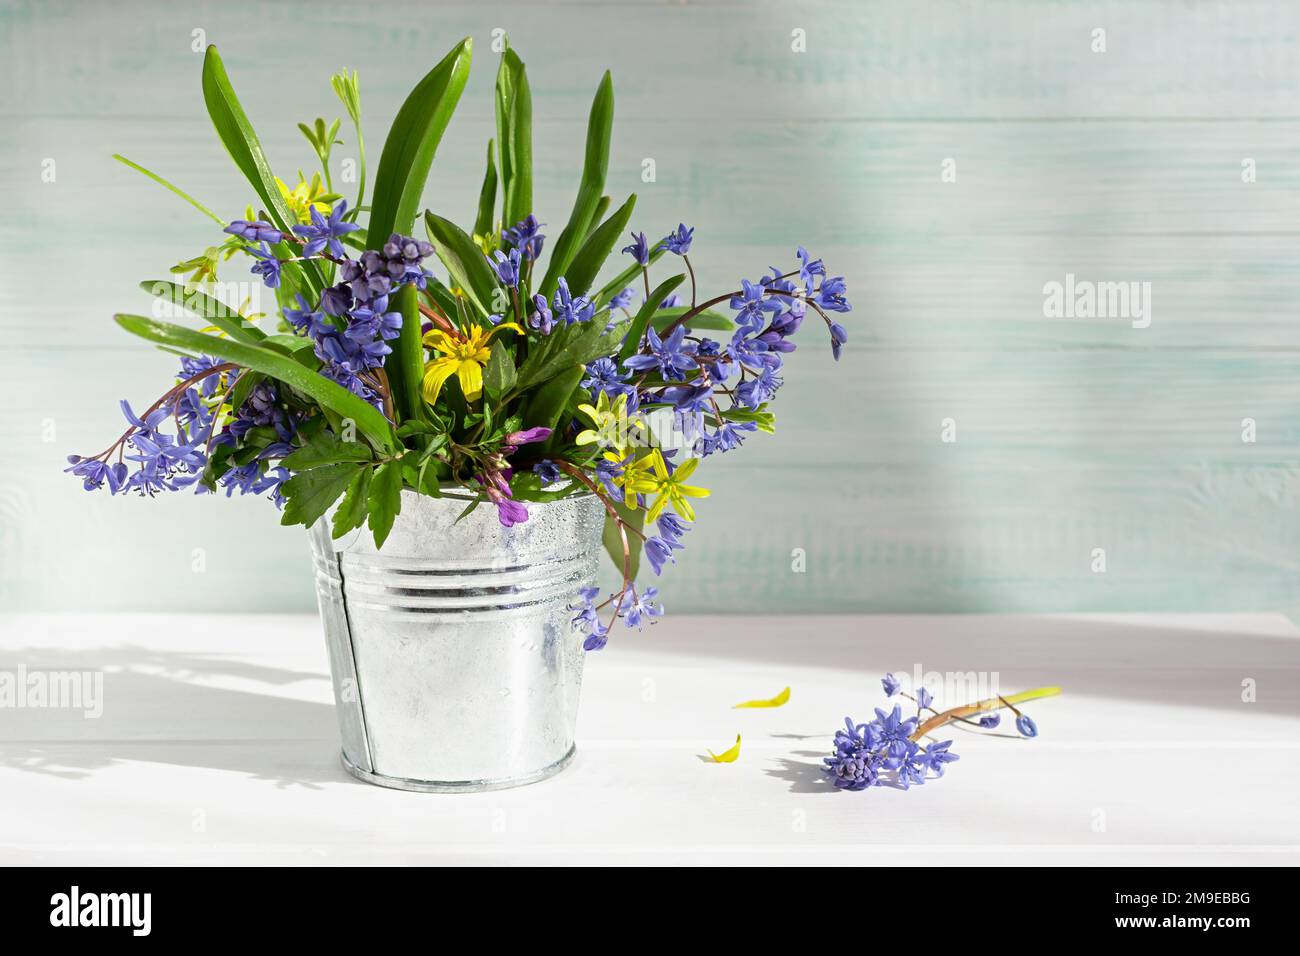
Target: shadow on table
169, 707
1196, 667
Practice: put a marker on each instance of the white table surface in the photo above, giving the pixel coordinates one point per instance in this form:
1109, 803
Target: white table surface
218, 744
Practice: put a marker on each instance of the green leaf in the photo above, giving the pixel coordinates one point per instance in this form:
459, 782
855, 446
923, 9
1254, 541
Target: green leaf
236, 133
330, 395
602, 207
595, 165
549, 401
403, 170
464, 260
637, 329
351, 514
411, 144
405, 364
326, 449
385, 500
309, 494
240, 141
499, 375
174, 189
244, 385
514, 108
624, 279
613, 541
487, 196
708, 319
586, 264
575, 344
205, 307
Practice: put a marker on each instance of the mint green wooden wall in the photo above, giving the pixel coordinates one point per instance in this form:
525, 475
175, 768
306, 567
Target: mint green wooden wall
1071, 434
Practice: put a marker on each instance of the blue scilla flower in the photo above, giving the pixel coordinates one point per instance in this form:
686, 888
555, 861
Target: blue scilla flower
506, 267
570, 308
989, 721
830, 295
753, 305
689, 398
726, 437
838, 337
267, 266
891, 684
853, 771
639, 249
548, 471
603, 375
667, 356
924, 698
678, 241
1026, 726
526, 237
755, 391
255, 231
809, 267
325, 232
622, 299
641, 608
711, 358
311, 322
937, 755
597, 637
542, 319
374, 322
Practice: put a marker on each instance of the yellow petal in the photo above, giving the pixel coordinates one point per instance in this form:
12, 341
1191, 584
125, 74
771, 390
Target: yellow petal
727, 756
471, 379
435, 374
657, 462
504, 325
776, 701
682, 506
685, 468
439, 340
656, 508
586, 438
694, 491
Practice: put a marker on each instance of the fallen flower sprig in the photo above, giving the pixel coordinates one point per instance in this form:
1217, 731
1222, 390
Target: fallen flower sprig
894, 750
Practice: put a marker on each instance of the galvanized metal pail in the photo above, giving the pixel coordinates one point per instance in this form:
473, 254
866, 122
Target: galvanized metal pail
455, 667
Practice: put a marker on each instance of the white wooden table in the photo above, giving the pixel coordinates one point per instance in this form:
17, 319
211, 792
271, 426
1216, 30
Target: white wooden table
217, 744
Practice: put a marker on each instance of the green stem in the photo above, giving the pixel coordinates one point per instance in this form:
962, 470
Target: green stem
988, 704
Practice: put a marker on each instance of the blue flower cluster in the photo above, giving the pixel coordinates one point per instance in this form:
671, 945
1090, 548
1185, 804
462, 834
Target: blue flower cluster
175, 460
882, 751
634, 607
693, 373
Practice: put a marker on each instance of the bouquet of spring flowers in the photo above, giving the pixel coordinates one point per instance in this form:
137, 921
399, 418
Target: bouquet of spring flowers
510, 376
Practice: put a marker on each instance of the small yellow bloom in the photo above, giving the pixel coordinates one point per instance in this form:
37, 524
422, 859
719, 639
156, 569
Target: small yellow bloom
611, 421
633, 474
305, 195
463, 355
669, 487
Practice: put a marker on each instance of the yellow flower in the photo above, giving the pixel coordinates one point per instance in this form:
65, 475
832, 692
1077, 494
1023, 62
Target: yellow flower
634, 472
611, 421
463, 355
305, 195
669, 487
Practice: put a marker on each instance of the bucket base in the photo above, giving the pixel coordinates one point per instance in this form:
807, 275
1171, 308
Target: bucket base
455, 786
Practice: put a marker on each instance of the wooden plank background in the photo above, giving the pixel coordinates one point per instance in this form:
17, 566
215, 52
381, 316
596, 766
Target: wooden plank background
1072, 434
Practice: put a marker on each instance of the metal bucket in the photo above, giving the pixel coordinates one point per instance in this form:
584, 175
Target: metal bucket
455, 667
